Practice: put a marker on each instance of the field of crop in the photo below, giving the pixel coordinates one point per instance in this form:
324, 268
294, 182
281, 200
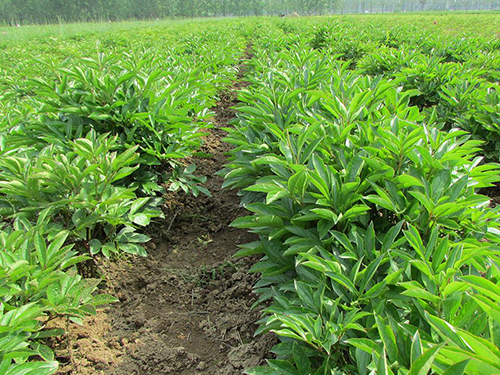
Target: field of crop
297, 196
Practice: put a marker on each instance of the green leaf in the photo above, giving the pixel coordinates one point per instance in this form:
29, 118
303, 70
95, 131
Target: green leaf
103, 299
355, 211
283, 367
305, 293
370, 272
483, 285
34, 368
447, 331
407, 181
391, 235
423, 364
416, 347
301, 359
420, 293
41, 249
138, 203
95, 246
363, 360
369, 346
457, 368
298, 183
388, 338
261, 371
133, 248
141, 219
343, 280
382, 366
55, 246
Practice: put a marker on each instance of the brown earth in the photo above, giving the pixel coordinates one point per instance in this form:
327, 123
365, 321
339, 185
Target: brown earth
186, 308
493, 193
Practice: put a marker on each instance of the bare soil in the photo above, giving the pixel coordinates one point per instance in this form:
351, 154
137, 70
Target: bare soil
186, 308
493, 193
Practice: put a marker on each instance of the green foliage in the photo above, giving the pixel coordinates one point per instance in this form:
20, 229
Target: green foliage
38, 282
89, 142
71, 187
132, 97
378, 252
360, 151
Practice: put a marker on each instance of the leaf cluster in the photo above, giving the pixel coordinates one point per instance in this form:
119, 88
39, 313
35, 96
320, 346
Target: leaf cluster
378, 253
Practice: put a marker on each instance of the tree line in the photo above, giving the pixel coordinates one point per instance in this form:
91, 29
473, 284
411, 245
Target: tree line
51, 11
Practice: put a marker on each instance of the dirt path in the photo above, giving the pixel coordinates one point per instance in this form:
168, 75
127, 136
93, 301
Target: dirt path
186, 308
